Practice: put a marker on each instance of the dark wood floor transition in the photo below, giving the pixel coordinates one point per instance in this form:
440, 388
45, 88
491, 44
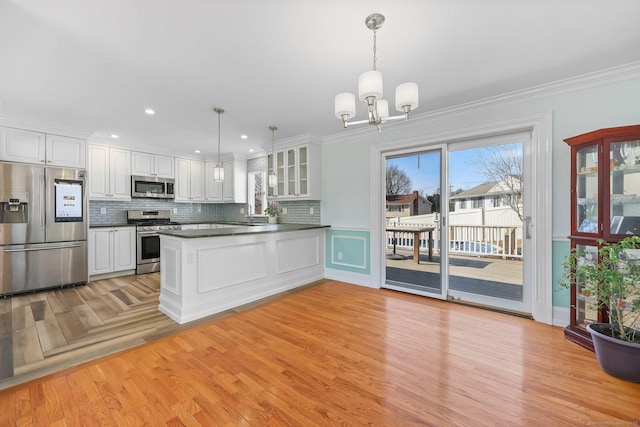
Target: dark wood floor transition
46, 331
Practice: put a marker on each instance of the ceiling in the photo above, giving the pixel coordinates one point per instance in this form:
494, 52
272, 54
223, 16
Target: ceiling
96, 65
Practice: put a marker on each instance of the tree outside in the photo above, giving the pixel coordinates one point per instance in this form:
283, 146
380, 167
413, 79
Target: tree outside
398, 182
502, 164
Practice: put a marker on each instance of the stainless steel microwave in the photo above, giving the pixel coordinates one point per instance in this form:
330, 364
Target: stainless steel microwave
152, 187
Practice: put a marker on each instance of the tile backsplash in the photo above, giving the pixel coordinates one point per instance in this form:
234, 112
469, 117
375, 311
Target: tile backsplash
298, 212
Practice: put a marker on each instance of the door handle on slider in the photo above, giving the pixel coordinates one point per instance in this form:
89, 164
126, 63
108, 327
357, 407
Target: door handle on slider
527, 227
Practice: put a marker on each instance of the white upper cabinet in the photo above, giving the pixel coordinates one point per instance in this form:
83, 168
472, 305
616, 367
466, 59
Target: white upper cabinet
234, 187
109, 174
64, 151
19, 145
148, 164
212, 189
297, 167
189, 185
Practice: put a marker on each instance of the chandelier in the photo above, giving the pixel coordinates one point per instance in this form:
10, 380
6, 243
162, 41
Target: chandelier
370, 90
218, 170
273, 178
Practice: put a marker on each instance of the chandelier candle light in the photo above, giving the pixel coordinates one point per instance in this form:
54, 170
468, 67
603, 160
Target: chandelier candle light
273, 178
370, 90
218, 170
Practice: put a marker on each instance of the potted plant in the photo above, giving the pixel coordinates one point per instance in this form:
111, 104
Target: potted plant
272, 213
611, 280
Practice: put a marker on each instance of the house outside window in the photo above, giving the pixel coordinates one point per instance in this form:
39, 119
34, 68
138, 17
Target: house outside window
477, 202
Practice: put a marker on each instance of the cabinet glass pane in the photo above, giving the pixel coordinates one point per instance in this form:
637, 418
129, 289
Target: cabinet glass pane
270, 190
624, 189
586, 304
291, 172
280, 172
587, 189
304, 175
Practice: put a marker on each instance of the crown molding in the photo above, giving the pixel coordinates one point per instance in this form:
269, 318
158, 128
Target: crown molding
15, 122
307, 138
585, 81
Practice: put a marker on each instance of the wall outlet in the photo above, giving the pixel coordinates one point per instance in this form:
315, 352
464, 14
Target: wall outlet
241, 210
284, 211
311, 210
175, 210
103, 211
339, 253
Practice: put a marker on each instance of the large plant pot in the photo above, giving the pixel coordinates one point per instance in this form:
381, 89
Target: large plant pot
618, 358
273, 220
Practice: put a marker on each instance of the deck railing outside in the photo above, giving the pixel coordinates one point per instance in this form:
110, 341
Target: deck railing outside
476, 240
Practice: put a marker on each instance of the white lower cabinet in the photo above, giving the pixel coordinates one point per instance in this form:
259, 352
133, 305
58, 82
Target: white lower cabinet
112, 249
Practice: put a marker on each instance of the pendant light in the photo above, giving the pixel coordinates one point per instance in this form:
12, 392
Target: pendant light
273, 177
218, 170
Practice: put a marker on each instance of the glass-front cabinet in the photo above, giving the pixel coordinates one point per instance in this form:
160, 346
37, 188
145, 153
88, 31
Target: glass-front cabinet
605, 206
298, 170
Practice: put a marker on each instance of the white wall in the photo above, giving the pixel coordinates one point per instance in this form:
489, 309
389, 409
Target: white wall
600, 100
346, 161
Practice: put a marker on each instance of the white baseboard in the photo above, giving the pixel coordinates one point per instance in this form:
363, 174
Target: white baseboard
561, 316
349, 277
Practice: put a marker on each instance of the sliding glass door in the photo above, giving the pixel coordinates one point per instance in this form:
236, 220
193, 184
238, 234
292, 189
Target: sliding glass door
456, 221
486, 227
413, 223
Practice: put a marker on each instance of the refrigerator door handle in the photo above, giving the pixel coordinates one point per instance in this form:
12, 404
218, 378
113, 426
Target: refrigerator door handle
42, 249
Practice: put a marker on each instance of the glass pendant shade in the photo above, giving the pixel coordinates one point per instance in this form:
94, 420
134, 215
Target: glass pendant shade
370, 84
273, 180
370, 91
218, 173
407, 95
345, 105
383, 108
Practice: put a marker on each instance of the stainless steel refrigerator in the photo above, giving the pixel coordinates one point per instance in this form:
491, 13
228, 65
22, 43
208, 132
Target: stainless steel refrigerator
43, 228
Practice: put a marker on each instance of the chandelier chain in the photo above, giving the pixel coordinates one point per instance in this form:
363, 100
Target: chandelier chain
375, 58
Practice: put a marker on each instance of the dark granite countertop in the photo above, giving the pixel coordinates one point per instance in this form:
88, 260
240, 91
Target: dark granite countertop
240, 230
240, 223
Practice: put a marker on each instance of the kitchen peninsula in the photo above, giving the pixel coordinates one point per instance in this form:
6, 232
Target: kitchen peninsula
209, 271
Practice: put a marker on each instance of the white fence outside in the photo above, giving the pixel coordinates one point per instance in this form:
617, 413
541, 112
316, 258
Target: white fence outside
478, 232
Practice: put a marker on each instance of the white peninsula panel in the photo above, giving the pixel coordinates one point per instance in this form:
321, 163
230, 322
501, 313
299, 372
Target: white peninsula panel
204, 274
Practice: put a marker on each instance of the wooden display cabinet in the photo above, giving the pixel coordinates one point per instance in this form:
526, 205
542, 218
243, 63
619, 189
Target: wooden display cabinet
605, 205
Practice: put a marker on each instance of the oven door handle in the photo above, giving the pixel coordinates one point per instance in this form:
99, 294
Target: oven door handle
146, 233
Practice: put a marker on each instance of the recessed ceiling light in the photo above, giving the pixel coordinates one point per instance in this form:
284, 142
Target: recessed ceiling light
244, 136
197, 151
149, 111
114, 136
251, 150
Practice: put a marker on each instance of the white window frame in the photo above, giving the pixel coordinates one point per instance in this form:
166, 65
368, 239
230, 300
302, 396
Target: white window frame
251, 193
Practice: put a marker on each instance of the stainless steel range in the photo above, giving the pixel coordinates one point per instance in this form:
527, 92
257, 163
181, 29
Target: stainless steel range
148, 223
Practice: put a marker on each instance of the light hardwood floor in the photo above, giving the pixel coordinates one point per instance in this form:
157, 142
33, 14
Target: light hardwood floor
338, 354
47, 331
